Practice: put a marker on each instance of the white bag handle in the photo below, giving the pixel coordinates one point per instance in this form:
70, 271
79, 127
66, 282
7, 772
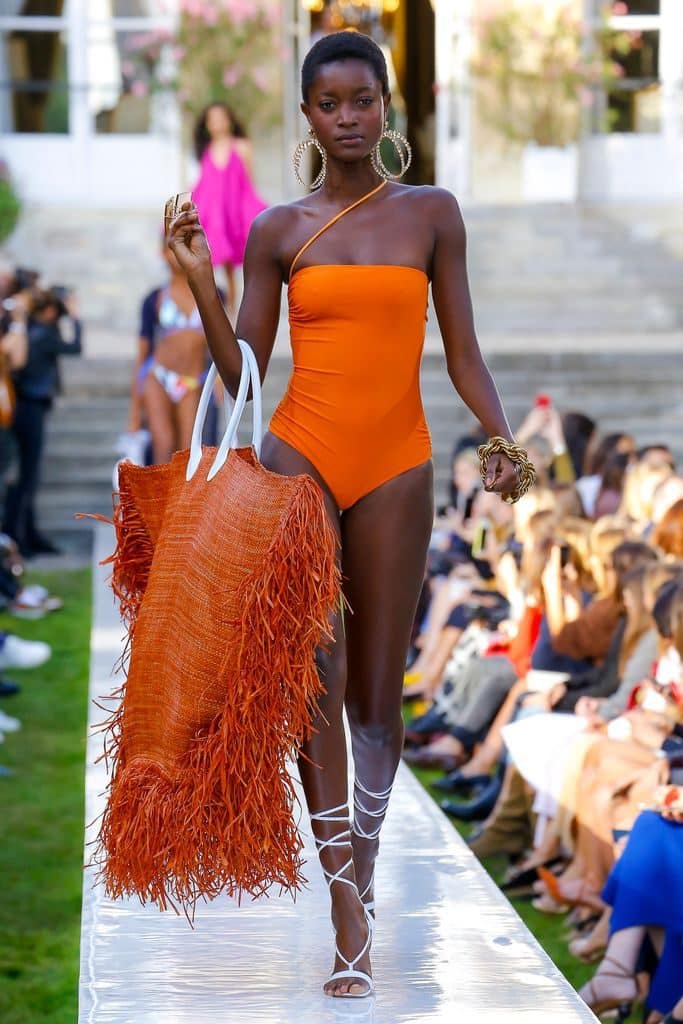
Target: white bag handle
249, 373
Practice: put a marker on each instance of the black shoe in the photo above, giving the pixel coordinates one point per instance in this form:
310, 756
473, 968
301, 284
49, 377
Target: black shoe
527, 877
433, 720
37, 544
477, 809
8, 688
456, 782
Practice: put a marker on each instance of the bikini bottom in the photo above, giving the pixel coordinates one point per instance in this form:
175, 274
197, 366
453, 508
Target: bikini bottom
176, 385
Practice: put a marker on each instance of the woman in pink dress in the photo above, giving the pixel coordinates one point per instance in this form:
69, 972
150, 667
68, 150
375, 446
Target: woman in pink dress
224, 195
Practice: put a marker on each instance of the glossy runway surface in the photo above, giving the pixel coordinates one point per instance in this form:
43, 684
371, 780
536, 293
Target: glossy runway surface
448, 947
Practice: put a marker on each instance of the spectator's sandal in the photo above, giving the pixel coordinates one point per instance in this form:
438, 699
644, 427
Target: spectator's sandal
589, 992
341, 838
585, 898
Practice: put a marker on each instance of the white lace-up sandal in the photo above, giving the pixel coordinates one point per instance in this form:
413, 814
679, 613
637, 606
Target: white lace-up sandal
343, 838
360, 794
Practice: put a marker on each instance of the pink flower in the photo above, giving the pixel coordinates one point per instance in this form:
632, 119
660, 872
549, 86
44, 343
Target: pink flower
231, 77
261, 78
139, 89
239, 11
586, 98
271, 17
619, 8
177, 53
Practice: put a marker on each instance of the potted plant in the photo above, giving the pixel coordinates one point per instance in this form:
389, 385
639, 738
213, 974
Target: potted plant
538, 68
10, 206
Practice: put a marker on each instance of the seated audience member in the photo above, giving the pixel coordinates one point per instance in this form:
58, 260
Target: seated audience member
617, 767
601, 680
640, 484
579, 431
542, 432
666, 494
645, 893
549, 749
668, 533
598, 453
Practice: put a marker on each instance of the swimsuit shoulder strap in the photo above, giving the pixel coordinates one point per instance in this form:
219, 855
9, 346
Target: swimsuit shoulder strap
333, 220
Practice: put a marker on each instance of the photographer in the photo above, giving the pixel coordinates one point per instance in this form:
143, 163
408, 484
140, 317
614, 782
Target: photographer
36, 385
16, 305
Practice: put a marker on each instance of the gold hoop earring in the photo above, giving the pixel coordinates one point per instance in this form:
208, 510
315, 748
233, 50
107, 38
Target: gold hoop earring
298, 155
403, 152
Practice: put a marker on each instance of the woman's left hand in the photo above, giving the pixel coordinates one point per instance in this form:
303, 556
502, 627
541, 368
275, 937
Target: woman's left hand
501, 474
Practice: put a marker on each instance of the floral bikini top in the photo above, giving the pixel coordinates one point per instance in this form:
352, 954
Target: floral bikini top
171, 319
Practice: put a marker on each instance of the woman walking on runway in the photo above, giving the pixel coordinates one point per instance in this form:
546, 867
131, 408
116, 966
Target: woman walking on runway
225, 196
357, 256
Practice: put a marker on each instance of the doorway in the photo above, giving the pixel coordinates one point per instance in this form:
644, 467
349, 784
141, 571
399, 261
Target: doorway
404, 29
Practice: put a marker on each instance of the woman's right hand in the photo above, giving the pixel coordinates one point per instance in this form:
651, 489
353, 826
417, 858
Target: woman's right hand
187, 241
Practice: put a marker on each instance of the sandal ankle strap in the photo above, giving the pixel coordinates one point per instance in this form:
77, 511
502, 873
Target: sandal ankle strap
360, 807
337, 840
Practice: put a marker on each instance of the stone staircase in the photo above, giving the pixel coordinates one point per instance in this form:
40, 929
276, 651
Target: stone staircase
642, 393
584, 303
548, 269
574, 270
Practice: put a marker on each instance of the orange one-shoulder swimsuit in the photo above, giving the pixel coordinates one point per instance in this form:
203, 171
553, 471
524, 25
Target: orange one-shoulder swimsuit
353, 406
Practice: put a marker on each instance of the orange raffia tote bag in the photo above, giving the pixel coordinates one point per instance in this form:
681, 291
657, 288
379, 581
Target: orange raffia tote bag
227, 576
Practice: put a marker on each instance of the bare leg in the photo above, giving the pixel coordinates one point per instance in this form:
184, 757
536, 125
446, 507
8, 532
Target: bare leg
324, 766
443, 603
159, 409
185, 412
614, 982
436, 663
385, 537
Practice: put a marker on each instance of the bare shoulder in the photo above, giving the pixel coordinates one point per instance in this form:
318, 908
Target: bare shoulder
432, 206
275, 227
243, 146
269, 225
440, 206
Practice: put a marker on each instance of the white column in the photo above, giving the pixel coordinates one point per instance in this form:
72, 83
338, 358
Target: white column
77, 63
295, 34
671, 68
453, 48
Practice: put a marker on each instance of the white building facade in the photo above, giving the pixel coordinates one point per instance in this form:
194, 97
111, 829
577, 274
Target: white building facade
74, 132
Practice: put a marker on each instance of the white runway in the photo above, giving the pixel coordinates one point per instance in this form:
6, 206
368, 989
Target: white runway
448, 947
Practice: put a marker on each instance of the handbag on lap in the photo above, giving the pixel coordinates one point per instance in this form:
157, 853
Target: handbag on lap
227, 576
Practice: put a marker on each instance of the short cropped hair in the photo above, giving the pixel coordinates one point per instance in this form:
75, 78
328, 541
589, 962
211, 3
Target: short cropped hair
343, 46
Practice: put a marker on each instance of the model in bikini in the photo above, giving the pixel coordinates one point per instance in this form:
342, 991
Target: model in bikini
357, 256
171, 364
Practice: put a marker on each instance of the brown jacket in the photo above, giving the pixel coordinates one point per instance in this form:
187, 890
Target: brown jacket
590, 634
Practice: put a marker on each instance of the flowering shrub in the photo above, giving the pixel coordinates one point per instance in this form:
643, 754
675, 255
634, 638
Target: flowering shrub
221, 50
10, 207
538, 69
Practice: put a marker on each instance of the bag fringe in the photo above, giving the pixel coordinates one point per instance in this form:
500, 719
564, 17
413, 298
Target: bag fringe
225, 822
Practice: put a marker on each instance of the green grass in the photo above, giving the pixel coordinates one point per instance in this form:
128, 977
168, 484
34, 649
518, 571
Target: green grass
41, 851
